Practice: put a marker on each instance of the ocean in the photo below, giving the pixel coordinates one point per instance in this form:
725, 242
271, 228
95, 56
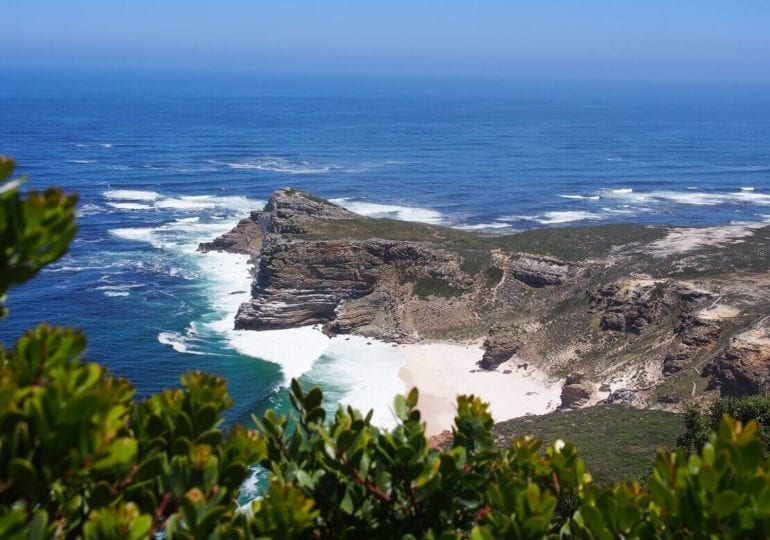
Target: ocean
162, 161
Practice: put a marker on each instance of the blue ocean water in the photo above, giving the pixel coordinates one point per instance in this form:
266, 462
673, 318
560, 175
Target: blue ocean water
163, 161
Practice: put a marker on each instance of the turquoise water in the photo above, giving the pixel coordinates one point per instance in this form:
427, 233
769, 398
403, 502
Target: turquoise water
162, 162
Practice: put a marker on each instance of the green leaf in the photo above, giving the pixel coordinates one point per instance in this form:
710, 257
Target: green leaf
22, 473
399, 406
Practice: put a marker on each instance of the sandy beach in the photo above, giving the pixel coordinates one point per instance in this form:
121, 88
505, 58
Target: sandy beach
441, 371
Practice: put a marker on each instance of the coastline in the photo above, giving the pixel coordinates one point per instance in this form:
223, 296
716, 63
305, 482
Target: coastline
442, 370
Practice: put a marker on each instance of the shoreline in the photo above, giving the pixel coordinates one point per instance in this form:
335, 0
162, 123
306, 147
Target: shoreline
443, 370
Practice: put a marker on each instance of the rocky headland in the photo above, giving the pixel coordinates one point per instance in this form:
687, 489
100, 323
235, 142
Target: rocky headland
646, 316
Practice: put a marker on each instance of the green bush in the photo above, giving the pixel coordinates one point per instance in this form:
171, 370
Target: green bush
81, 458
700, 423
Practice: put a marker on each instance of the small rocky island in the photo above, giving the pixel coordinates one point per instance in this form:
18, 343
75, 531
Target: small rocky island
648, 316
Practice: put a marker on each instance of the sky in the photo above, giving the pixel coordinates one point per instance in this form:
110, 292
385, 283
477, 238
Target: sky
593, 39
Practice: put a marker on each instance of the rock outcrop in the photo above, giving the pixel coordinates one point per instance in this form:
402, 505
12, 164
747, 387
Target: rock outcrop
306, 282
743, 366
500, 346
576, 391
245, 238
632, 305
539, 271
695, 334
623, 396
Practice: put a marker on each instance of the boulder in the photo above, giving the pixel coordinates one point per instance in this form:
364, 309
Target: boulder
576, 391
623, 396
500, 346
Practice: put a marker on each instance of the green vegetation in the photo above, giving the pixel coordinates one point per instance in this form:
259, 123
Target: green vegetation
617, 442
571, 243
425, 286
494, 276
701, 423
81, 458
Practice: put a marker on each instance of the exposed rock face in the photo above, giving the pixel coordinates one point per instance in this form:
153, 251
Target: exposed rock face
694, 334
305, 282
500, 346
539, 271
743, 367
576, 391
631, 305
245, 238
290, 211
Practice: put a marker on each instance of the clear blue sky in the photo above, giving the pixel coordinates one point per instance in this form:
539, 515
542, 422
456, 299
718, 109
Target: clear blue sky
644, 39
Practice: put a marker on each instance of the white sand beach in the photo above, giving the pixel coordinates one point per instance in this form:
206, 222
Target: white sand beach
441, 371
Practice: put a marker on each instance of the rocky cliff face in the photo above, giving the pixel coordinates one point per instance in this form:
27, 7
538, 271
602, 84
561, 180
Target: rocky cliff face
611, 303
742, 368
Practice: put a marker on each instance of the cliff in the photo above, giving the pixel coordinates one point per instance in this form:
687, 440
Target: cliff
646, 315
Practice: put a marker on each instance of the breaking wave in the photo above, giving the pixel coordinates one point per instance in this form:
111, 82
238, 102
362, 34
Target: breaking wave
392, 211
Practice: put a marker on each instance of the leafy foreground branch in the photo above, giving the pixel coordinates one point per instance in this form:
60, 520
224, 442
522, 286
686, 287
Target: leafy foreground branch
81, 458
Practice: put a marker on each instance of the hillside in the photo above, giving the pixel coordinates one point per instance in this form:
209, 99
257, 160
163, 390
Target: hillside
625, 313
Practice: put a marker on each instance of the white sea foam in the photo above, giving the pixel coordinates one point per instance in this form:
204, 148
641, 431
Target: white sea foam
563, 216
484, 226
294, 349
581, 197
364, 374
691, 197
89, 209
131, 195
137, 234
752, 197
179, 342
106, 145
747, 189
184, 203
118, 290
81, 161
126, 199
129, 206
276, 164
392, 211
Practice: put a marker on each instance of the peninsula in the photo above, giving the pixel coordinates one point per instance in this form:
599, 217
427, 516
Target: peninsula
653, 317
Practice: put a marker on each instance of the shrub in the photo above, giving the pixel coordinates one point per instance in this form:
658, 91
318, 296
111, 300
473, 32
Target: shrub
699, 423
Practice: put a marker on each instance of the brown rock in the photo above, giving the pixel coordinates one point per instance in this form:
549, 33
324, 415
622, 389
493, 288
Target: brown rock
631, 305
539, 271
500, 346
743, 367
245, 238
576, 391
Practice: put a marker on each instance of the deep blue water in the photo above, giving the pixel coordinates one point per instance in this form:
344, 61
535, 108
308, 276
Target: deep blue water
161, 162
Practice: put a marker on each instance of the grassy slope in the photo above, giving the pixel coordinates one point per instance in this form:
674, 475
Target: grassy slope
572, 243
616, 442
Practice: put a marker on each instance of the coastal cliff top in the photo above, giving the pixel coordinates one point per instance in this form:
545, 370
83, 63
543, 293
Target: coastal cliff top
301, 215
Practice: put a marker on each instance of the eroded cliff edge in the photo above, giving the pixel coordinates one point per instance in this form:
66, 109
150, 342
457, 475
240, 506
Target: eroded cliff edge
643, 315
